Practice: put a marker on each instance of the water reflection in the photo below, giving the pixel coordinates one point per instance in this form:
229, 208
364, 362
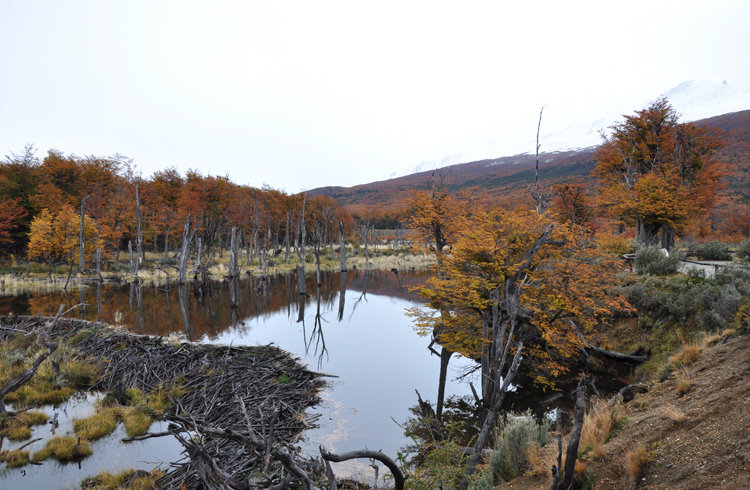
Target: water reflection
353, 327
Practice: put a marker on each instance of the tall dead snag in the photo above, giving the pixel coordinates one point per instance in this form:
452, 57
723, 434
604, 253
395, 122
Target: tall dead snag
187, 237
23, 378
139, 234
99, 264
342, 247
301, 288
233, 253
542, 198
571, 453
81, 258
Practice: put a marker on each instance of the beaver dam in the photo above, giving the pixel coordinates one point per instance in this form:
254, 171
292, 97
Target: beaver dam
238, 412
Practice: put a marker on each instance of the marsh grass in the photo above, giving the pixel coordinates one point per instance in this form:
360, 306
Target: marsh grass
100, 424
15, 458
136, 421
64, 449
133, 479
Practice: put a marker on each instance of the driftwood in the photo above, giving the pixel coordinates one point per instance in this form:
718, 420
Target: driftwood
398, 477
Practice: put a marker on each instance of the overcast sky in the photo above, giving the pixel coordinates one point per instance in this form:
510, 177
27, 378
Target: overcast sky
303, 94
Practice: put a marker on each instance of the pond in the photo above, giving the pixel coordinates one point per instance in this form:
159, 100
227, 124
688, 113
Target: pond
354, 328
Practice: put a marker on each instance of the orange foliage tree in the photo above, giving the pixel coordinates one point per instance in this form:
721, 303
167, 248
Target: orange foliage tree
657, 173
435, 214
517, 282
11, 214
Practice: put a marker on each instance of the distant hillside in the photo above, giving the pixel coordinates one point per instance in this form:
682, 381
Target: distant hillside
504, 180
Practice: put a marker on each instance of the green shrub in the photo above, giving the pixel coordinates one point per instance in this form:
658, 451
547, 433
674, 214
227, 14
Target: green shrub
514, 435
714, 251
743, 251
653, 262
691, 301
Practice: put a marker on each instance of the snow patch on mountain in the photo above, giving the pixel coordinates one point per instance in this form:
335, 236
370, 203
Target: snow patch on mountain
693, 100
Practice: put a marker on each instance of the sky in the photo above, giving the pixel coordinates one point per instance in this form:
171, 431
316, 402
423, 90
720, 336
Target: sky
301, 94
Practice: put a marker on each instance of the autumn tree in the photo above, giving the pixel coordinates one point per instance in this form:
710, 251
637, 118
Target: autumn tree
571, 204
658, 174
518, 284
11, 216
53, 237
435, 213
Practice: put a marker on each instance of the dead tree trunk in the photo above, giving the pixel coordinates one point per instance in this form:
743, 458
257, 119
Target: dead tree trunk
233, 253
342, 247
166, 243
571, 453
286, 239
301, 274
99, 264
187, 236
130, 254
81, 258
139, 235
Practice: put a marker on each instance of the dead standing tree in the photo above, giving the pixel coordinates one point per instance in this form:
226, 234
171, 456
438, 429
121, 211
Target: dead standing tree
81, 258
187, 237
541, 197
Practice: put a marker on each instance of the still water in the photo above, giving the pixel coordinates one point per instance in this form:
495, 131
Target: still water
354, 328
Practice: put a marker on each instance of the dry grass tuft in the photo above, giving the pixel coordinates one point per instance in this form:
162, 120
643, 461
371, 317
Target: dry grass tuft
636, 461
686, 356
598, 425
536, 461
673, 413
684, 383
580, 469
727, 333
711, 340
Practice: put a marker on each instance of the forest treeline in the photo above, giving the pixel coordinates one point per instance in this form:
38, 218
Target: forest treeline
41, 201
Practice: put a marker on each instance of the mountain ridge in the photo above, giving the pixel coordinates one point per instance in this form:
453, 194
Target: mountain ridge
504, 179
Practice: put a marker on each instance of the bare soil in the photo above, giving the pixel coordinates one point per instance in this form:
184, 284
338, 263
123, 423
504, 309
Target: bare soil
709, 449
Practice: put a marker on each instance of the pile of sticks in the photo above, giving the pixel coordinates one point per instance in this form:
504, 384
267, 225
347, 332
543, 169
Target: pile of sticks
256, 394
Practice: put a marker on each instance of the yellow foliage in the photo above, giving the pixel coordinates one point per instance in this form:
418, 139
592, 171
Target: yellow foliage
55, 236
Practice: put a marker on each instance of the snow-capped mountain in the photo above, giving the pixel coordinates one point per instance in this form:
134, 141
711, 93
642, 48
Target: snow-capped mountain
693, 100
699, 99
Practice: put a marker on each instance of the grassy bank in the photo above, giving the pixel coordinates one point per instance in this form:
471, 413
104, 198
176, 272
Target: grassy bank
16, 279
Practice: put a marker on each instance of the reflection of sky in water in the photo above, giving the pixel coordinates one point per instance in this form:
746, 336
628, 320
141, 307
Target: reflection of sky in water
377, 357
379, 361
